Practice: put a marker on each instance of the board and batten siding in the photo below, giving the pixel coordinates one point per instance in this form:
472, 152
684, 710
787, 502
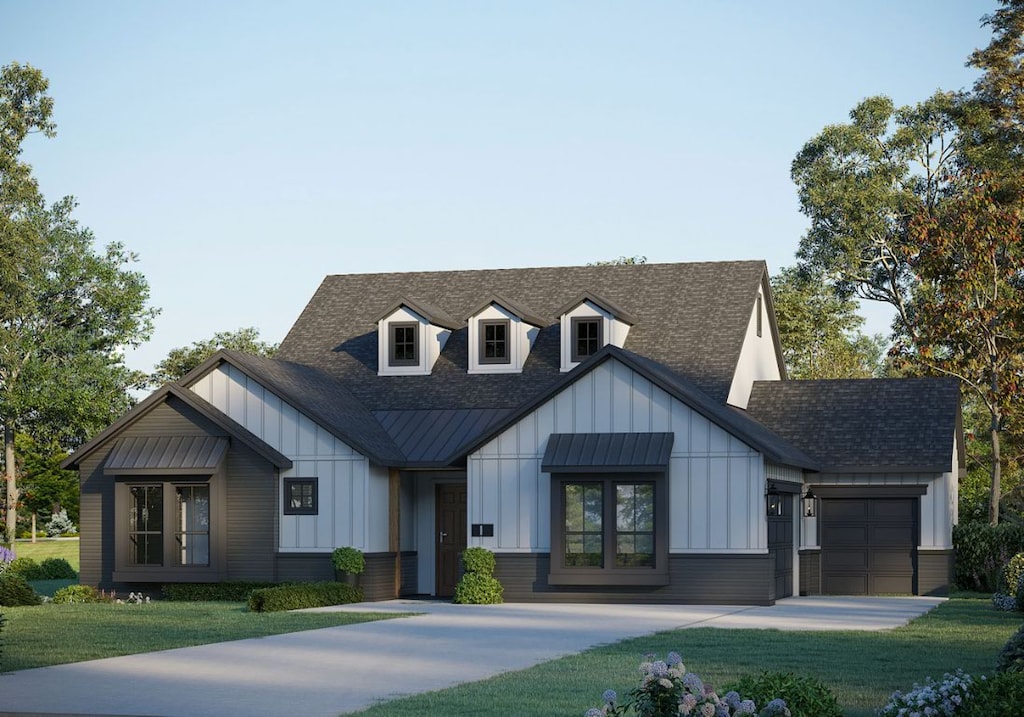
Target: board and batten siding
716, 482
352, 494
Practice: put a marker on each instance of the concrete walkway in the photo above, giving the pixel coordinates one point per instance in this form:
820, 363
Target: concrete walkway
326, 672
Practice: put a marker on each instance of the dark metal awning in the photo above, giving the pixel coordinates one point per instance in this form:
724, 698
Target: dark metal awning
163, 455
607, 452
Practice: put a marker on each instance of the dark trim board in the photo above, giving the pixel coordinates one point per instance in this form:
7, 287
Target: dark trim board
694, 579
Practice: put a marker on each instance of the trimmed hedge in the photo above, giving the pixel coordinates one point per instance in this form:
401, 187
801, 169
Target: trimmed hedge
15, 591
49, 569
981, 552
232, 591
302, 595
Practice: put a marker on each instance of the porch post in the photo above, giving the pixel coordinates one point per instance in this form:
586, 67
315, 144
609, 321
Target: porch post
394, 529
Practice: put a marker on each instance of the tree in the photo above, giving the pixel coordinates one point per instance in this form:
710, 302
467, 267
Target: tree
819, 330
45, 488
66, 311
183, 359
621, 261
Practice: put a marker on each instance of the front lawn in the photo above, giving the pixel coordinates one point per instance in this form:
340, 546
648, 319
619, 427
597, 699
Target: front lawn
862, 668
55, 634
44, 548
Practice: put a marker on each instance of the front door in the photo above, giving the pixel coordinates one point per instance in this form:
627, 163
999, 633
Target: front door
450, 523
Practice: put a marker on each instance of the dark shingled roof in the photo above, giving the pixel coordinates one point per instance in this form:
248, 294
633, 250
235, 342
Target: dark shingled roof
865, 425
690, 317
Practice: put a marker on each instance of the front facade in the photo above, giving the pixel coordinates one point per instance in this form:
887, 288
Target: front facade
614, 433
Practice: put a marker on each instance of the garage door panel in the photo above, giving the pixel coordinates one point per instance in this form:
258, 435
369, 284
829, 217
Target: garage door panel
868, 545
840, 560
893, 509
843, 535
845, 584
890, 561
882, 535
898, 584
844, 509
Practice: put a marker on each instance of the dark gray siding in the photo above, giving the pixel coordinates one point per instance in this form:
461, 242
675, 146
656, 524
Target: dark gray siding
96, 544
810, 572
251, 515
410, 573
694, 579
934, 571
304, 567
377, 581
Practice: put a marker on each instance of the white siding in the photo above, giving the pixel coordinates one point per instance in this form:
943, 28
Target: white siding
521, 338
716, 482
758, 360
352, 494
613, 331
431, 340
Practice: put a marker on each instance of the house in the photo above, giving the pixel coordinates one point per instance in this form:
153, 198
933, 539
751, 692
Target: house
612, 433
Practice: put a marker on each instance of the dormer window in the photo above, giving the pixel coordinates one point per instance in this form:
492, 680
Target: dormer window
404, 343
586, 337
494, 341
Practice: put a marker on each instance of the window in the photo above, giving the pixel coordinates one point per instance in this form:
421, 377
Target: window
494, 337
300, 496
609, 530
586, 338
759, 311
403, 350
146, 525
192, 525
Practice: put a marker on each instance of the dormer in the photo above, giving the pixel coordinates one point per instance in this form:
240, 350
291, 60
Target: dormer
410, 336
501, 335
588, 324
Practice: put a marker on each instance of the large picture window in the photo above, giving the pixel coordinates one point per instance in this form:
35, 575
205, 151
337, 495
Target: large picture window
192, 525
609, 530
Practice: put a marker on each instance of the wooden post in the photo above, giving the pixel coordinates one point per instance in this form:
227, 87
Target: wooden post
394, 525
33, 526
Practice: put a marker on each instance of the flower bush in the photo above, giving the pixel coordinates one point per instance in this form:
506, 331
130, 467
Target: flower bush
666, 688
934, 699
804, 696
6, 558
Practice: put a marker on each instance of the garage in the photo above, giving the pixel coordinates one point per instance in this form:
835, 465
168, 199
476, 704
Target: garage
868, 545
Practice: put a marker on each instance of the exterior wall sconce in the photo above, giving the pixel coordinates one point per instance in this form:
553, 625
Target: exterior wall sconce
773, 500
810, 503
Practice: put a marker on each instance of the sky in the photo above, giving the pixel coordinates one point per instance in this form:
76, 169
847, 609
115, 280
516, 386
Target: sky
244, 151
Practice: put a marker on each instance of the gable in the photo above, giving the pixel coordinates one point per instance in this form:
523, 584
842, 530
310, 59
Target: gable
760, 357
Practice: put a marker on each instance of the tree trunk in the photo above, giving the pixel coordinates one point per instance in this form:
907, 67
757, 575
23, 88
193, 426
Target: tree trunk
997, 473
11, 510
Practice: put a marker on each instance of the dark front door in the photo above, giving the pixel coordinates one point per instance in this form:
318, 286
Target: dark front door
450, 523
780, 546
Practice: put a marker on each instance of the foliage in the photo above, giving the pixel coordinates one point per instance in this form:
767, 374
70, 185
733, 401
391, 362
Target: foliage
348, 560
1013, 571
233, 591
73, 594
3, 624
60, 524
478, 586
15, 590
303, 595
804, 696
181, 360
667, 689
6, 558
55, 569
819, 330
996, 696
981, 552
478, 560
621, 261
26, 568
45, 488
1011, 657
942, 699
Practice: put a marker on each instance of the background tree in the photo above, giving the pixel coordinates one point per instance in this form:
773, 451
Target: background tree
183, 359
622, 260
66, 311
45, 488
820, 330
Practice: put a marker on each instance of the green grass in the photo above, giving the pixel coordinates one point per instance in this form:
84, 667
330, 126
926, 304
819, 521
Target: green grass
45, 548
56, 634
862, 668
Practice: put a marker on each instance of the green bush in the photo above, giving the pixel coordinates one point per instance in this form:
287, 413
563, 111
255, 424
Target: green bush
804, 696
56, 569
302, 595
478, 589
15, 591
996, 696
235, 591
981, 552
79, 594
478, 560
1012, 573
348, 560
3, 623
26, 568
1011, 657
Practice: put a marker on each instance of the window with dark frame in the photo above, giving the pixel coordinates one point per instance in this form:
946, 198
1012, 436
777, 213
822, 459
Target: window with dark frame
192, 525
759, 320
494, 341
146, 525
300, 496
403, 349
586, 337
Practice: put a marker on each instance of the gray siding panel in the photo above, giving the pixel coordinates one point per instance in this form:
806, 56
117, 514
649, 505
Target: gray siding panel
741, 579
377, 580
251, 515
934, 571
96, 544
810, 572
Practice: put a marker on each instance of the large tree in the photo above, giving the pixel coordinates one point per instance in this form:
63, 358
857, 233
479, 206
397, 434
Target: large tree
185, 358
67, 311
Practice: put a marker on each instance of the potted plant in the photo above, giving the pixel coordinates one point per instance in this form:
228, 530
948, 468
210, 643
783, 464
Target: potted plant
348, 563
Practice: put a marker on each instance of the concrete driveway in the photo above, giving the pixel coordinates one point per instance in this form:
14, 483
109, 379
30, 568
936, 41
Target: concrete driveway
330, 671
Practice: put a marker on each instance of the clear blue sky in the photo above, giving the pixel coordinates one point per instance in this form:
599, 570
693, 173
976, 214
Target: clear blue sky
245, 150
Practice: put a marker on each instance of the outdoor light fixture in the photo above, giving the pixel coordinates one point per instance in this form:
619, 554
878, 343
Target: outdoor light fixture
810, 502
773, 500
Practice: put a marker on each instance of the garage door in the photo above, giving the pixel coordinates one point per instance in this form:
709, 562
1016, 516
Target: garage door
780, 545
868, 545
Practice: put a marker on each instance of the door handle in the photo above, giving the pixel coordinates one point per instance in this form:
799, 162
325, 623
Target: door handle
441, 535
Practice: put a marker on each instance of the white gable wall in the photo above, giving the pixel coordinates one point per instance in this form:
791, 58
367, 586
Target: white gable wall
521, 338
352, 493
758, 360
613, 331
431, 340
716, 482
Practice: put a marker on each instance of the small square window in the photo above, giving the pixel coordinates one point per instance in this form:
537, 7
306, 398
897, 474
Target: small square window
494, 338
300, 496
404, 344
586, 338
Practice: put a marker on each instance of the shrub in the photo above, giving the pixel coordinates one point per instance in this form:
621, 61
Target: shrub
943, 699
804, 696
26, 568
666, 688
56, 569
60, 524
301, 595
3, 623
996, 696
1013, 571
478, 560
1011, 657
6, 558
478, 589
236, 591
1004, 602
15, 591
79, 594
348, 560
981, 552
